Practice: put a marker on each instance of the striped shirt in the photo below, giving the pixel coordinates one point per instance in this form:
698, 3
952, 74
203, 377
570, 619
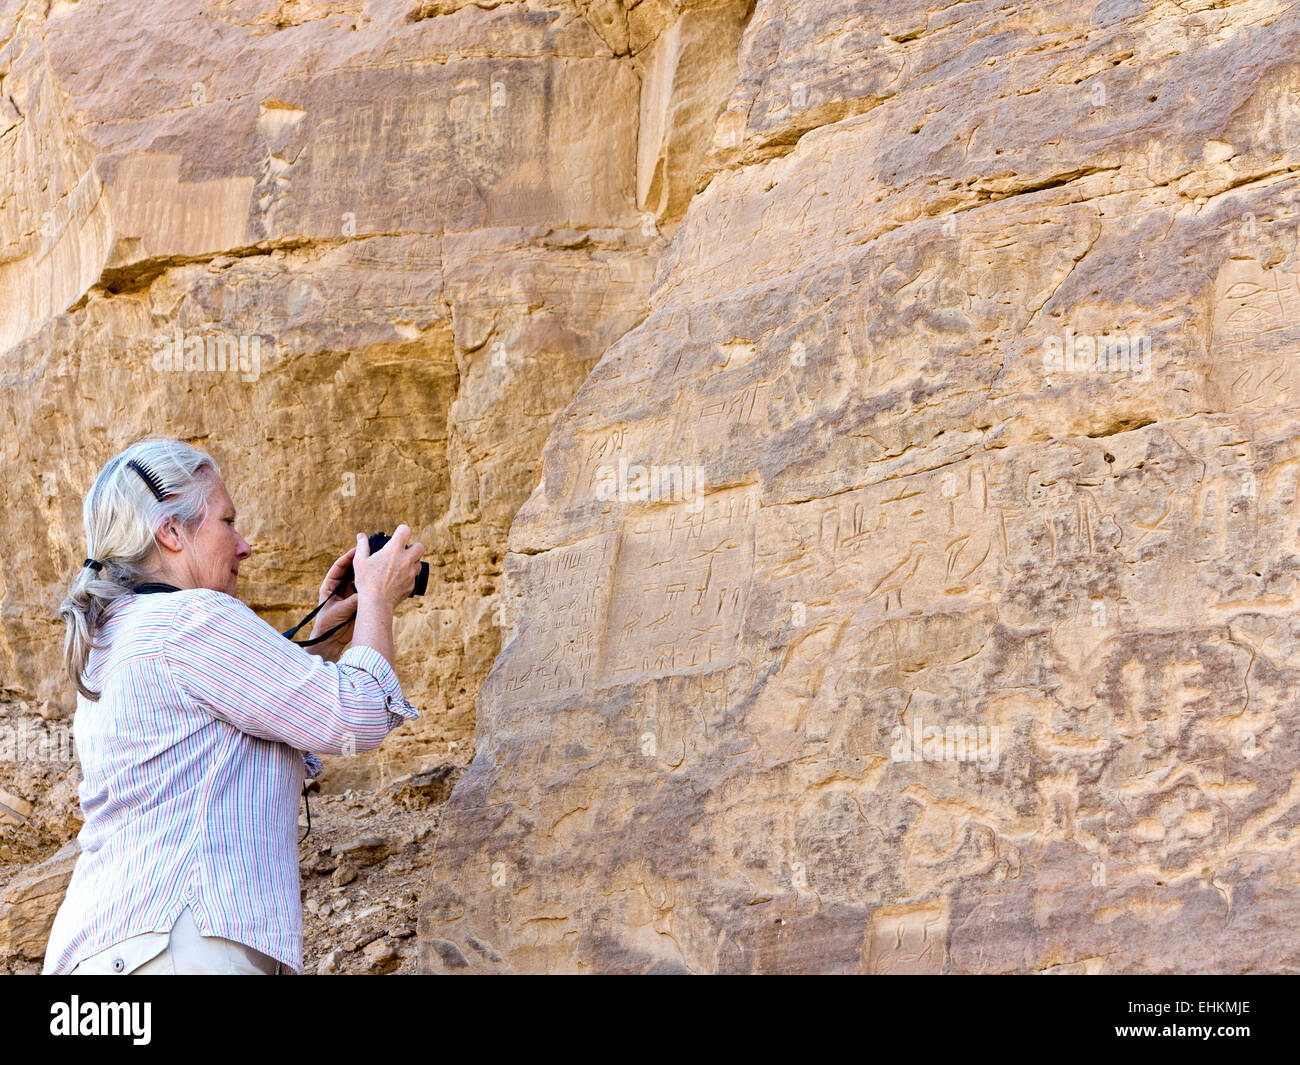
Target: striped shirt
192, 770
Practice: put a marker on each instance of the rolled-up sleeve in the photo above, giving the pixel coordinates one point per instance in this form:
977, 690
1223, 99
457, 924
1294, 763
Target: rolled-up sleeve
231, 664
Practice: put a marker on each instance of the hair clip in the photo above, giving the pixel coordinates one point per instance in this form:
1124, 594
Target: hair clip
93, 564
150, 478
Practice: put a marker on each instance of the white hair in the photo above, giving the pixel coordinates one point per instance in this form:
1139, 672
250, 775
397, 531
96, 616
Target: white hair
122, 516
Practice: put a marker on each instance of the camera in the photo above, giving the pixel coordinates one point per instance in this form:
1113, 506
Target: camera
377, 541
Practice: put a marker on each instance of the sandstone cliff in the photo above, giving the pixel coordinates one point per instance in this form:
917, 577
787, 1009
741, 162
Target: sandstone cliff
979, 651
864, 432
363, 253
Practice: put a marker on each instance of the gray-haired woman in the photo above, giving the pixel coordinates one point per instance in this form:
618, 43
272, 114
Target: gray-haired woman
193, 719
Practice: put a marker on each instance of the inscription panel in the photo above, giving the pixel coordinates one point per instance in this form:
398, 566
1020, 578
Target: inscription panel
1255, 328
555, 650
682, 586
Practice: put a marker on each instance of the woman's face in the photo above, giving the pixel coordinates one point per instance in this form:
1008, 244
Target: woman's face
211, 559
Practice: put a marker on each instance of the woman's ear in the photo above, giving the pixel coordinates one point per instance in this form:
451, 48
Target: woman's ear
168, 536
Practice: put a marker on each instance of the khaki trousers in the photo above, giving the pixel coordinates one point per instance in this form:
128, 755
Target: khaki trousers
184, 951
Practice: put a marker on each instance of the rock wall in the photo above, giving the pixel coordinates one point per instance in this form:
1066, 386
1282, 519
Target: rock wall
871, 429
976, 653
364, 253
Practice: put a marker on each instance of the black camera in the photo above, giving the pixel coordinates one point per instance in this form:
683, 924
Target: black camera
377, 541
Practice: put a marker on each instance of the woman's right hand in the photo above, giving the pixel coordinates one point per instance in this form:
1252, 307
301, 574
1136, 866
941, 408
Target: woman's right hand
387, 576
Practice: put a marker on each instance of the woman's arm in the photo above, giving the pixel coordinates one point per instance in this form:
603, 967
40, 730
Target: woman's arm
227, 662
374, 627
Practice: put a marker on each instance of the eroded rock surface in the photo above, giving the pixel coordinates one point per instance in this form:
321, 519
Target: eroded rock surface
364, 253
906, 583
977, 653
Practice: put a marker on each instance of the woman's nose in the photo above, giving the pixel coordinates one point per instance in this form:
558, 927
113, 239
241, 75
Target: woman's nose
244, 549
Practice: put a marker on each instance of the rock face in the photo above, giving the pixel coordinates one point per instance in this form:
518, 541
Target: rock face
31, 901
889, 408
976, 651
362, 253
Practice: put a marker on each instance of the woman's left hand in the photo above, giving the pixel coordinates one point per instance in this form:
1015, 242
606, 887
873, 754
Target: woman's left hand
335, 611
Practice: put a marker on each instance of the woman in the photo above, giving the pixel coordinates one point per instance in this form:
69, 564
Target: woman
193, 716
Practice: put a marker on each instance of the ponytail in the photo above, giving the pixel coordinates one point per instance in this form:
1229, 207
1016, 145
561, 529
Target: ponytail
121, 512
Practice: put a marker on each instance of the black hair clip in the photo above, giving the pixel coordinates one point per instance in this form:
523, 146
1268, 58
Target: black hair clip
150, 478
93, 564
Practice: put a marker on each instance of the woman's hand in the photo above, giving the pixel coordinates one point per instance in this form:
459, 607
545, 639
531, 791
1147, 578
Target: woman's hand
387, 576
383, 580
335, 611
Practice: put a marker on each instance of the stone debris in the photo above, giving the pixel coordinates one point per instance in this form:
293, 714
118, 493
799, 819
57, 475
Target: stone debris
29, 903
381, 956
365, 850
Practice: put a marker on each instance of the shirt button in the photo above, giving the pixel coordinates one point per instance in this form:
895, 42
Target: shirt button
118, 965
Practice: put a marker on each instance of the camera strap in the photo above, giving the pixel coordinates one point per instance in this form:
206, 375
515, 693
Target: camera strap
289, 633
153, 587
